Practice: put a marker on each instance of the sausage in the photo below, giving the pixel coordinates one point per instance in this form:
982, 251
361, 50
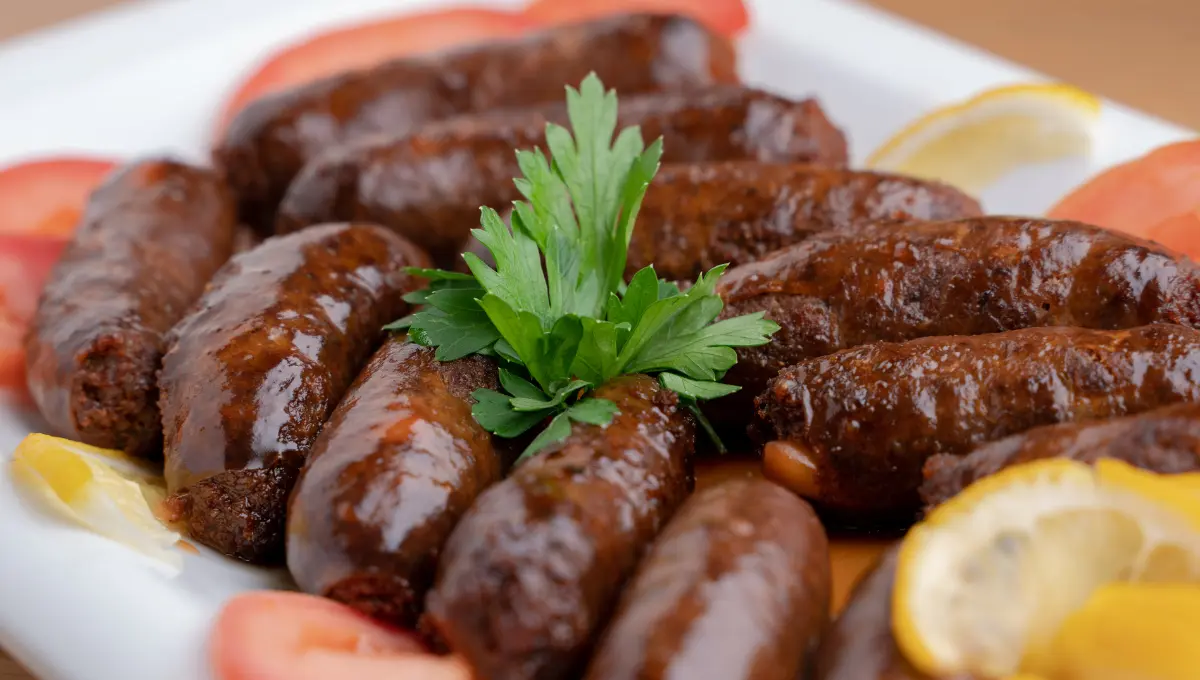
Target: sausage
429, 185
534, 568
258, 364
736, 587
268, 142
1165, 440
894, 282
860, 645
150, 238
394, 468
853, 429
696, 216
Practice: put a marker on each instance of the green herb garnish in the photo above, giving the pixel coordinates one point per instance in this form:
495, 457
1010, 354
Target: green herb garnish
556, 311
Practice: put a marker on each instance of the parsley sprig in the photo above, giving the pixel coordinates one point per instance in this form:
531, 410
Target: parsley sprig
556, 310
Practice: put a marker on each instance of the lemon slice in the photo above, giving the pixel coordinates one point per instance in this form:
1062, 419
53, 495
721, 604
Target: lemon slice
1130, 630
985, 582
974, 143
106, 491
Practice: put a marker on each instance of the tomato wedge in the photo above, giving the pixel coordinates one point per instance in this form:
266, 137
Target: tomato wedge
1135, 196
365, 45
47, 196
1180, 233
291, 636
726, 17
25, 262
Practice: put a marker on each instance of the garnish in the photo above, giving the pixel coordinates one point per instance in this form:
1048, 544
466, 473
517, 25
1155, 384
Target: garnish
556, 311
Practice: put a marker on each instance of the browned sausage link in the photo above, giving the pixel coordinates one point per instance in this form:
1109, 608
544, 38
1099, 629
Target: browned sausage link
900, 281
696, 216
396, 466
151, 237
270, 141
429, 185
736, 587
860, 645
861, 422
1165, 440
256, 367
533, 570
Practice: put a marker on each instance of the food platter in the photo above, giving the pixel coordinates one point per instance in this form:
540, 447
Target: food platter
144, 79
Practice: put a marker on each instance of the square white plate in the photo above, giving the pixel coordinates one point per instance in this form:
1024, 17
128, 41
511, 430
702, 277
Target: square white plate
149, 77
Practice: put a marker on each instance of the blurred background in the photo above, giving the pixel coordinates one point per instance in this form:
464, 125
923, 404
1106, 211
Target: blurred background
1141, 53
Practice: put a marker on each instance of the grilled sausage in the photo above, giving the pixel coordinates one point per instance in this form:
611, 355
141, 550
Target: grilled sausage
860, 645
894, 282
533, 569
736, 587
259, 363
396, 466
853, 429
1165, 440
150, 239
429, 185
270, 141
699, 215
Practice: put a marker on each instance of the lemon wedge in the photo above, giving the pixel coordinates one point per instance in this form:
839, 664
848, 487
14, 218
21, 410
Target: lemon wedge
986, 581
106, 491
973, 143
1129, 630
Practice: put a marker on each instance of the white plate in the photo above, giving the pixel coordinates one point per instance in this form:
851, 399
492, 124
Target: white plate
148, 77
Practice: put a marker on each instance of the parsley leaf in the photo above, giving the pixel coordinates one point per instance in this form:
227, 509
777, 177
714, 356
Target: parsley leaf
518, 386
540, 403
593, 411
696, 389
494, 413
556, 310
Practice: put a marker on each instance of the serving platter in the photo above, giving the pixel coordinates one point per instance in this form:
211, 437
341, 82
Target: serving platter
148, 78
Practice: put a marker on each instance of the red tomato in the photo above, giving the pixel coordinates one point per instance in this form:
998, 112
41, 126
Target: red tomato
727, 17
25, 261
1137, 195
12, 357
366, 45
47, 196
1180, 233
290, 636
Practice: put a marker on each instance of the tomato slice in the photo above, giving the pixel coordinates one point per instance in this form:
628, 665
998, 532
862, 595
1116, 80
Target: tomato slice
12, 358
1180, 233
1135, 196
47, 196
290, 636
365, 45
726, 17
25, 262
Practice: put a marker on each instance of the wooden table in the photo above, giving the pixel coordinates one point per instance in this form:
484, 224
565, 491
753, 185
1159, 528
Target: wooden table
1142, 54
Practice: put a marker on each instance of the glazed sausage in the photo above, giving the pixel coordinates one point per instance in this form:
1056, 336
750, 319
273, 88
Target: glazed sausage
860, 645
258, 364
270, 141
150, 239
737, 586
396, 466
534, 568
894, 282
853, 429
696, 216
429, 185
1165, 440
